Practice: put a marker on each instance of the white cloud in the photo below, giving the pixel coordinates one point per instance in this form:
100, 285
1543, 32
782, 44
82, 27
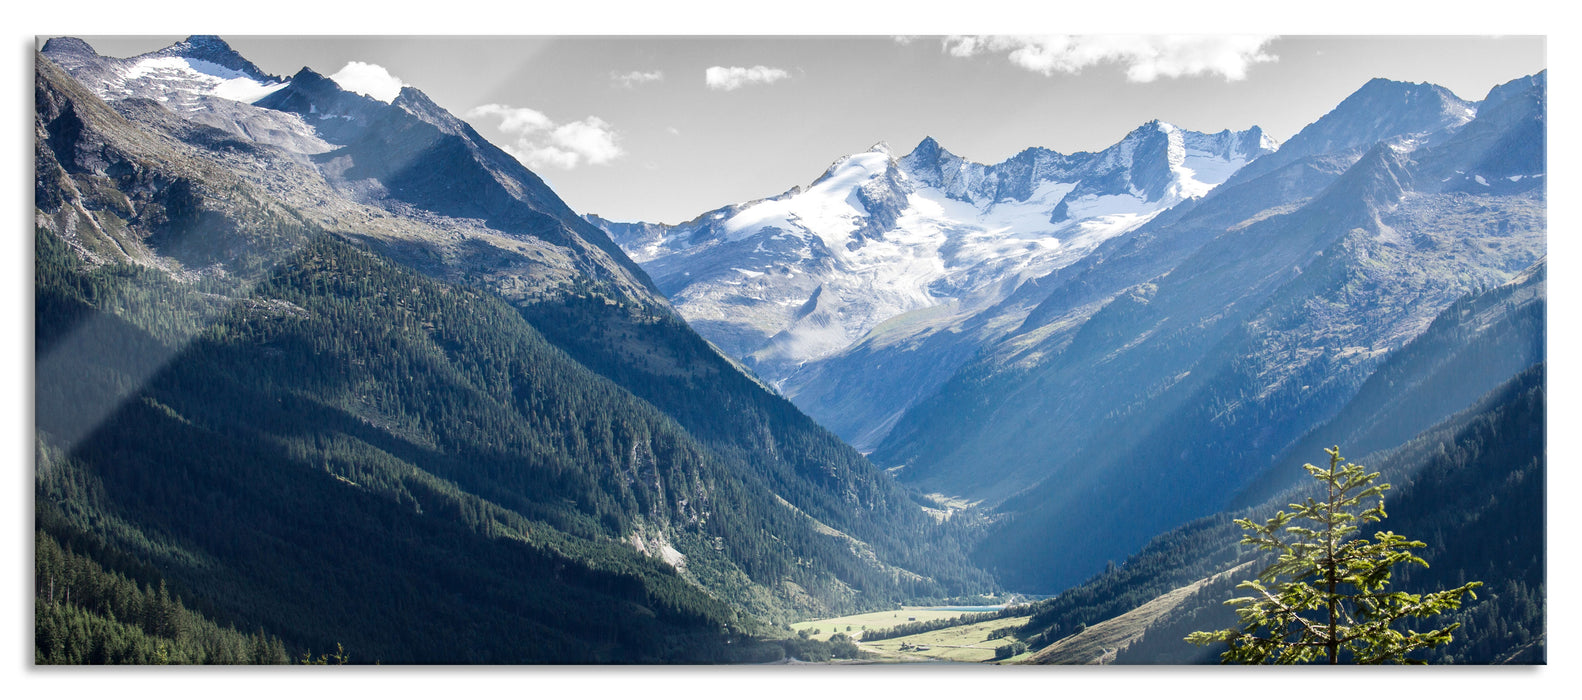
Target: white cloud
637, 77
722, 78
1146, 58
368, 79
963, 46
539, 142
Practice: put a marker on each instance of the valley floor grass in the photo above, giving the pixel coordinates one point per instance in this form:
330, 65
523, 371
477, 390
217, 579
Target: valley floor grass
872, 621
968, 643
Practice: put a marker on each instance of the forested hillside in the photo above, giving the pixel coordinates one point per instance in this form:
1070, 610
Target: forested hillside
247, 469
84, 613
326, 447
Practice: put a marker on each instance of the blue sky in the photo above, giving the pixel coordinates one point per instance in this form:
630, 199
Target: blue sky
663, 128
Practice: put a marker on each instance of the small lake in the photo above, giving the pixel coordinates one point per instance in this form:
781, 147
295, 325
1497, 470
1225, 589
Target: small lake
970, 608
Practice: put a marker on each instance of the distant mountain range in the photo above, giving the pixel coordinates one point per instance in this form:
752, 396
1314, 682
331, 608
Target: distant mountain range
884, 251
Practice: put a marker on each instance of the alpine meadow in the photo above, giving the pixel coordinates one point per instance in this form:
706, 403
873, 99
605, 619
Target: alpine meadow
1078, 350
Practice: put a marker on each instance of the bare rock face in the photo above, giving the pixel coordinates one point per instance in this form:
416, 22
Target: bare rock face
118, 193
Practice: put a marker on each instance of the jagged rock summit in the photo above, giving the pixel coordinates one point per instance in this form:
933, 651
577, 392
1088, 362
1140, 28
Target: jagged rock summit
212, 49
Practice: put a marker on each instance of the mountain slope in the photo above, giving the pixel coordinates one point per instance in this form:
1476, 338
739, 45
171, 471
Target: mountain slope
1472, 347
1134, 412
1380, 110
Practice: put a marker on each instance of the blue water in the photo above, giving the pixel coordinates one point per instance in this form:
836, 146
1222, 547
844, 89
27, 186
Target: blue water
971, 608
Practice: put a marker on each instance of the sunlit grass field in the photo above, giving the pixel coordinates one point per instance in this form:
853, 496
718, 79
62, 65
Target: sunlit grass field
964, 643
874, 621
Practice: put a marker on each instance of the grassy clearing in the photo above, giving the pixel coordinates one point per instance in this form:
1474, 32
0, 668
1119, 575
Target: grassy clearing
874, 621
964, 643
947, 506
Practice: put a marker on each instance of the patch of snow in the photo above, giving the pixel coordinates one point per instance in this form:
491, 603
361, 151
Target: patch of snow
1093, 206
828, 209
245, 90
177, 65
175, 74
1202, 171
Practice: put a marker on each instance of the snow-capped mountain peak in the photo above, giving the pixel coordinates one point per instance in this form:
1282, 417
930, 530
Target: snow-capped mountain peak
181, 75
214, 51
805, 274
927, 151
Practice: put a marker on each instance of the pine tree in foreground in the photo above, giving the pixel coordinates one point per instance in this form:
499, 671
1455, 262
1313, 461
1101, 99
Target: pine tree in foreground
1325, 597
